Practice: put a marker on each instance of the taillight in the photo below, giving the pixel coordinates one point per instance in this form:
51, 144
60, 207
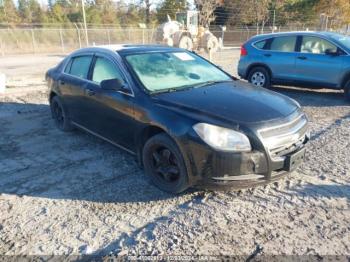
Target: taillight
244, 51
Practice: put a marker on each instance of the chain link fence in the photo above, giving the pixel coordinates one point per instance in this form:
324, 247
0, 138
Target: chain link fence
37, 40
63, 40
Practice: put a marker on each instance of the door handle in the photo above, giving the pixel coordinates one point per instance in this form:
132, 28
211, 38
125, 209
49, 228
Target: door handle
267, 55
302, 57
62, 82
90, 92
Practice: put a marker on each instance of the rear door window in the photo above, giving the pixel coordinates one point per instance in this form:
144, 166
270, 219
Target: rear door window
68, 66
283, 44
79, 66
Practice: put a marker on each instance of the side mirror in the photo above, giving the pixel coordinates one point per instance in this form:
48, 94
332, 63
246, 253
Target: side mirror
331, 52
112, 84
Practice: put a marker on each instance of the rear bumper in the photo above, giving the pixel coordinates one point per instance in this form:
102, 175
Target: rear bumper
242, 69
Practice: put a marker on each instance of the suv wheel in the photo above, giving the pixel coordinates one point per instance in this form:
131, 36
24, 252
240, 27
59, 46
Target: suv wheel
186, 43
164, 164
347, 90
260, 77
59, 115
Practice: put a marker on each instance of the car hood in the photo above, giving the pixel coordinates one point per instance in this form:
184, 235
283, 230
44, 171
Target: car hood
236, 102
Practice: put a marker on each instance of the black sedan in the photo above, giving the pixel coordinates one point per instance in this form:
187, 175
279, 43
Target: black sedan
187, 121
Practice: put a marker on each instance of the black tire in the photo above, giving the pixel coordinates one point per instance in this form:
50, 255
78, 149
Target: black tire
164, 164
60, 115
347, 90
259, 76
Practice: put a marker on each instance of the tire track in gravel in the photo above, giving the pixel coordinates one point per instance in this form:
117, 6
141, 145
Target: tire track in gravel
144, 233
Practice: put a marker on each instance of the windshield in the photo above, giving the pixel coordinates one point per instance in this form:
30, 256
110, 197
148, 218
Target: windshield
173, 70
344, 40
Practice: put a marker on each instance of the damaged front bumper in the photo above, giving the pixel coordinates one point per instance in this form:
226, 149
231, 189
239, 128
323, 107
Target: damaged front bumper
266, 163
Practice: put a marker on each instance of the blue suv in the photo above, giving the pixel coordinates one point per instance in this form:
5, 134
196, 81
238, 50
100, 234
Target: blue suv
310, 59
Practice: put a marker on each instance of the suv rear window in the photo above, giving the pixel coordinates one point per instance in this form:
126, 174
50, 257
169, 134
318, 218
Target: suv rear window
261, 44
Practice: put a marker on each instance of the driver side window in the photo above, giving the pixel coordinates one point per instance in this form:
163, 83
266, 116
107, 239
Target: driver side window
104, 69
316, 45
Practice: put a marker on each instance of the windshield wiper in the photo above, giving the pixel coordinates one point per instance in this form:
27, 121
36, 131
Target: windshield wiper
207, 83
172, 89
187, 87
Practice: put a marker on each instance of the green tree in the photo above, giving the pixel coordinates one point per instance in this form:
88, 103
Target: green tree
170, 7
30, 11
107, 10
57, 14
130, 16
297, 11
8, 13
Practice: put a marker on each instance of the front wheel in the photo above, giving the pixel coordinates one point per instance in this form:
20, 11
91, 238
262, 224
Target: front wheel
164, 164
259, 77
186, 43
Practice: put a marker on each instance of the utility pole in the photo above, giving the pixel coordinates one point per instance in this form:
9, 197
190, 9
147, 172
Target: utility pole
85, 27
148, 7
274, 21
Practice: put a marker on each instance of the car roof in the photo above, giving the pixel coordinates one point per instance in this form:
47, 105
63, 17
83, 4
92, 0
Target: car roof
129, 48
313, 33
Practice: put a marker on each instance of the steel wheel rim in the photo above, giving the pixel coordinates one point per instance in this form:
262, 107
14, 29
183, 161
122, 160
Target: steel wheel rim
165, 165
58, 114
258, 79
186, 43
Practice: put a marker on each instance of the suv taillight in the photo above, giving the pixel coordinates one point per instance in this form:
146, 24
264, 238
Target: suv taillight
243, 51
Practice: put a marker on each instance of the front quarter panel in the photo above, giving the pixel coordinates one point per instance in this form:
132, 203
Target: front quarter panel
176, 125
345, 74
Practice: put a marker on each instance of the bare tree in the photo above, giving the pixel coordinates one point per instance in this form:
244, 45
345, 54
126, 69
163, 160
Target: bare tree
206, 11
333, 13
259, 11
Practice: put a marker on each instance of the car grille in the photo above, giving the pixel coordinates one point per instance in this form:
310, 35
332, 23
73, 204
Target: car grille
283, 139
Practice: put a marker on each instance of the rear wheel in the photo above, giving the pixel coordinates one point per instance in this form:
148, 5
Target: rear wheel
59, 115
260, 77
212, 43
186, 43
347, 90
164, 164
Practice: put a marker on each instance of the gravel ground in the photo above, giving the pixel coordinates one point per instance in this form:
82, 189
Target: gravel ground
71, 193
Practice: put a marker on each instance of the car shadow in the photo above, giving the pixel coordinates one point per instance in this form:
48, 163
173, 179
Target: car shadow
328, 191
38, 160
314, 97
331, 126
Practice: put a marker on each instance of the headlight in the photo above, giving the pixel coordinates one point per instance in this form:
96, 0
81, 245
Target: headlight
223, 139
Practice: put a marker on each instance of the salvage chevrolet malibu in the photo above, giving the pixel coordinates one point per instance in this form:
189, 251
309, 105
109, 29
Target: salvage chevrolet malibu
188, 122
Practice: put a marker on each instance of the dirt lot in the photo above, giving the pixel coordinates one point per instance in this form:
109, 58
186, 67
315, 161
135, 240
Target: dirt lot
71, 193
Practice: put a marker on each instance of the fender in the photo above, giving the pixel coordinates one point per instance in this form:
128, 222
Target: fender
345, 78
